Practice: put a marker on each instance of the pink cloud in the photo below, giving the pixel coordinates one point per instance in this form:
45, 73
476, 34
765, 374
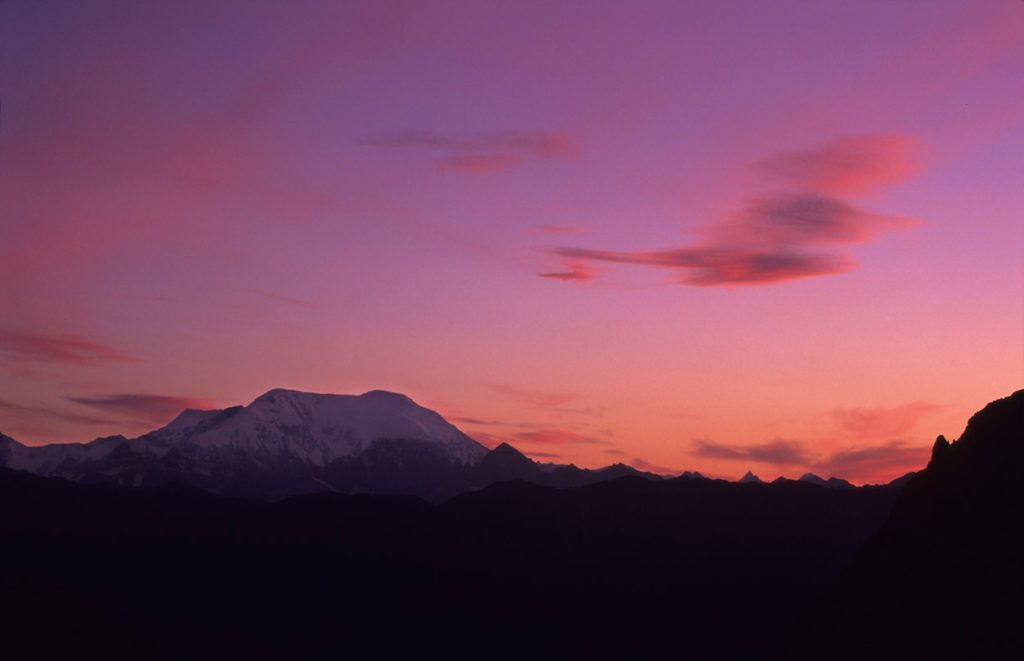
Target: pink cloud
155, 408
68, 349
782, 236
714, 266
551, 144
876, 462
542, 455
882, 422
779, 451
535, 398
553, 437
38, 412
574, 271
804, 219
642, 465
555, 229
488, 152
286, 299
848, 165
480, 163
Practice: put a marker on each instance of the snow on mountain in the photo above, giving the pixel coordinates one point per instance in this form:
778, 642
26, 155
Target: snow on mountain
813, 479
47, 459
279, 428
315, 428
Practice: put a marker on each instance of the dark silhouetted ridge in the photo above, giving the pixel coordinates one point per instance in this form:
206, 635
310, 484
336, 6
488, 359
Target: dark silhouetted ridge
944, 576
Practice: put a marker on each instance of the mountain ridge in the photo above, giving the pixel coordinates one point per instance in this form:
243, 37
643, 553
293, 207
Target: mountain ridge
287, 442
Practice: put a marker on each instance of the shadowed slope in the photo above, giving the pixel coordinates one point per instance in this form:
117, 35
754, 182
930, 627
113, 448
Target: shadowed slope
945, 574
626, 566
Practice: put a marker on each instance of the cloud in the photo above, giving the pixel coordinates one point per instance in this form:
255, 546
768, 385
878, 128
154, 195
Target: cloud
68, 349
155, 408
867, 463
715, 266
780, 236
496, 151
642, 465
555, 437
286, 299
51, 413
848, 165
541, 437
473, 421
882, 422
574, 271
551, 144
555, 229
479, 162
860, 464
535, 398
542, 455
779, 451
808, 219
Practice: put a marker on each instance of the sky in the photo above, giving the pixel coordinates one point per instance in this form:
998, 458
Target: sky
783, 237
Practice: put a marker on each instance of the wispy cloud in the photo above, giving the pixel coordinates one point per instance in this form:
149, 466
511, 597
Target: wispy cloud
868, 462
573, 271
535, 398
153, 408
852, 164
479, 162
51, 413
787, 235
495, 151
537, 143
859, 463
66, 349
555, 437
715, 266
542, 455
779, 452
642, 465
882, 422
286, 299
555, 229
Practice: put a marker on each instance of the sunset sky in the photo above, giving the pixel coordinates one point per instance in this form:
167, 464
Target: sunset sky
717, 236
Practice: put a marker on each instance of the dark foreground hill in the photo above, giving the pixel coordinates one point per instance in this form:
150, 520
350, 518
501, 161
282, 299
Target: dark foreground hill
623, 567
944, 577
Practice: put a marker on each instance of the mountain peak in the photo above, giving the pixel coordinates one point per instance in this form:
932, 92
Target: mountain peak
813, 479
750, 477
385, 395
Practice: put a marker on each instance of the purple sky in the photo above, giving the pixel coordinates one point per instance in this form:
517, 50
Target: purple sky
706, 235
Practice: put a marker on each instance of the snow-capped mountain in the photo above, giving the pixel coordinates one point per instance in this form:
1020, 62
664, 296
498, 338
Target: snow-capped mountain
287, 442
284, 442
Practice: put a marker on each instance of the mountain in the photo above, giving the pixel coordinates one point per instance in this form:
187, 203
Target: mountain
284, 442
287, 443
944, 575
750, 477
831, 483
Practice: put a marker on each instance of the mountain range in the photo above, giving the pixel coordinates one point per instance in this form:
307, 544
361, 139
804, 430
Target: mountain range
928, 565
288, 442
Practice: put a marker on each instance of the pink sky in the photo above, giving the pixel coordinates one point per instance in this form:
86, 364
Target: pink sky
709, 236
